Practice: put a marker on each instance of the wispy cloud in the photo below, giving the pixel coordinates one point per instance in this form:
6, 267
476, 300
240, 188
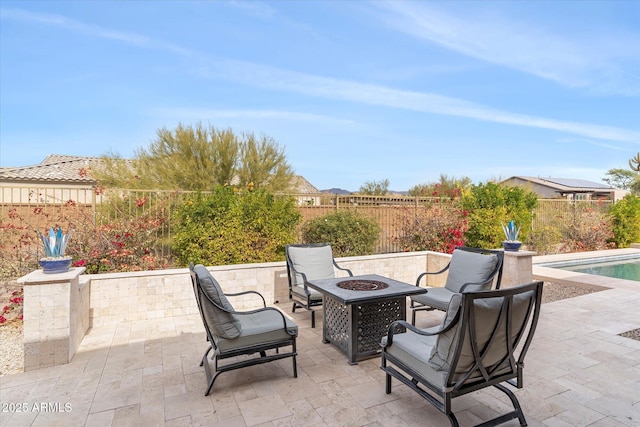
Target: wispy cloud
592, 142
255, 8
277, 79
200, 113
603, 64
271, 78
69, 24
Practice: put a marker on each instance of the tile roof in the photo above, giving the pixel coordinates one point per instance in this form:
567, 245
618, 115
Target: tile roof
303, 186
54, 168
58, 169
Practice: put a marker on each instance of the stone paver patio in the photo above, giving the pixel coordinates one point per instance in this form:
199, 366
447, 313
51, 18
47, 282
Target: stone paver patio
579, 372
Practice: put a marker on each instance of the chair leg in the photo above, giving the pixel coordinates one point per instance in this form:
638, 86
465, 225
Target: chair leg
516, 405
452, 419
413, 317
387, 387
295, 365
313, 319
293, 309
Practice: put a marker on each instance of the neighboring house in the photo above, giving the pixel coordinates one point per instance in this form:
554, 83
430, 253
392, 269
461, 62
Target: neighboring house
71, 173
566, 188
307, 194
54, 171
56, 178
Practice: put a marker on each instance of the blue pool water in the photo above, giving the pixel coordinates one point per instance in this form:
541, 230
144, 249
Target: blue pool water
625, 268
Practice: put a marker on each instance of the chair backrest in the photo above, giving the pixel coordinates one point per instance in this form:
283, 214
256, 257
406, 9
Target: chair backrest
310, 261
481, 348
215, 308
473, 265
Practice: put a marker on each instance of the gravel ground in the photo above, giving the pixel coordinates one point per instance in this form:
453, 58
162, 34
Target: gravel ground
11, 350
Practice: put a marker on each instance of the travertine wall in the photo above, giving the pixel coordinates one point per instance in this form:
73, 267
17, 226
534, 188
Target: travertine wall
59, 308
56, 317
121, 297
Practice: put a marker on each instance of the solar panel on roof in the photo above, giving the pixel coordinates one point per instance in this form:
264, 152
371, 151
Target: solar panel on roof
576, 183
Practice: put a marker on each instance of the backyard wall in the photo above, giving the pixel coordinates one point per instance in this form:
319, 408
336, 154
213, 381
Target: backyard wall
121, 297
60, 308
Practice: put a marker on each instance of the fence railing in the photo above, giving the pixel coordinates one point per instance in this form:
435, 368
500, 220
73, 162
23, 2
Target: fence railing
27, 208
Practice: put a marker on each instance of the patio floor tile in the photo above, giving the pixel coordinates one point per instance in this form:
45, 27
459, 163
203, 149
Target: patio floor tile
143, 373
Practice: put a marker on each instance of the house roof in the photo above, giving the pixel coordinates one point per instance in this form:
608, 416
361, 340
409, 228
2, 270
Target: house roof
59, 169
566, 185
303, 186
55, 168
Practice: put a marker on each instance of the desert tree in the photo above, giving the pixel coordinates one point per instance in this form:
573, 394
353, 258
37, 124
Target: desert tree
199, 158
375, 188
625, 179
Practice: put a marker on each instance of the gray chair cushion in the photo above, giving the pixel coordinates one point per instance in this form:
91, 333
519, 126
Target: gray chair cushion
488, 310
299, 289
224, 324
435, 297
469, 267
259, 328
314, 262
442, 351
413, 350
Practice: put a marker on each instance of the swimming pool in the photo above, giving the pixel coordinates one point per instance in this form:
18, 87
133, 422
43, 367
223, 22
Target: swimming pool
620, 267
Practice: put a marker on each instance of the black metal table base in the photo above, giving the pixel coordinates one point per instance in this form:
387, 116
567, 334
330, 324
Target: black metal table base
357, 328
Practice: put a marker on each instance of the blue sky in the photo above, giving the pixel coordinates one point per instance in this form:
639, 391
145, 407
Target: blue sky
354, 91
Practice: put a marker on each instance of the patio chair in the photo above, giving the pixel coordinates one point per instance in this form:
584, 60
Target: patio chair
308, 262
233, 333
481, 342
470, 269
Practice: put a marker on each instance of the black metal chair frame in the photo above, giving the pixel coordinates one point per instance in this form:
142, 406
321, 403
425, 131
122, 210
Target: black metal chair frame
248, 350
298, 301
458, 383
416, 306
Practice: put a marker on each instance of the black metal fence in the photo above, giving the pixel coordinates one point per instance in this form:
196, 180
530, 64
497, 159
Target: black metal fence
28, 208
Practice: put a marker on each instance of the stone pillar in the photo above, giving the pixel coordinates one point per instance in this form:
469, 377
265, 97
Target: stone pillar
517, 269
55, 316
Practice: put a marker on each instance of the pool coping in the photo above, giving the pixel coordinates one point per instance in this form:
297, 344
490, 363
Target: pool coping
573, 278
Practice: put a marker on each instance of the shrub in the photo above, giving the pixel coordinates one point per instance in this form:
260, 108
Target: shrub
229, 226
625, 217
437, 227
125, 244
589, 230
13, 310
490, 205
545, 240
349, 233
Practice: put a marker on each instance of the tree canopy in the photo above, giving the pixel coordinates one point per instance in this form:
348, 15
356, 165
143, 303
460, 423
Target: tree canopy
375, 188
620, 178
627, 179
200, 158
446, 187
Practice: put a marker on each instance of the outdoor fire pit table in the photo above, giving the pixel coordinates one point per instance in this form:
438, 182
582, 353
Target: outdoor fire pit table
358, 310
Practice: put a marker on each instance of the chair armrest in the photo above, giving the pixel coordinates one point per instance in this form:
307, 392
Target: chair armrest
415, 330
463, 288
431, 272
259, 310
335, 264
264, 304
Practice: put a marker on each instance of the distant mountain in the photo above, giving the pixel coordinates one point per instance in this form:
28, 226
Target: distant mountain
336, 191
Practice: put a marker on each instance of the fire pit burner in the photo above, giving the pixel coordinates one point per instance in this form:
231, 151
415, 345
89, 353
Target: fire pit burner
362, 285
